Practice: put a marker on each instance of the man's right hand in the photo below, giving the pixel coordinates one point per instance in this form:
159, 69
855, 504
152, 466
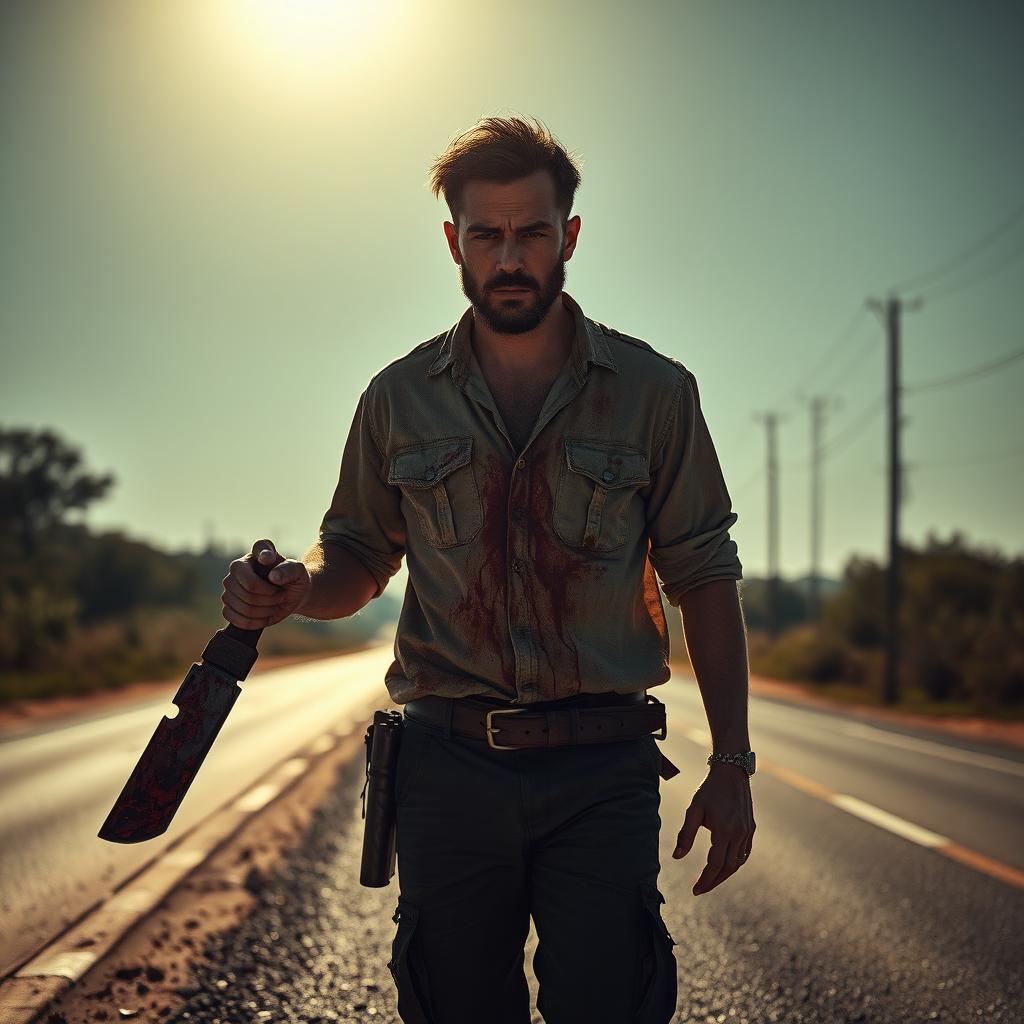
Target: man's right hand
252, 603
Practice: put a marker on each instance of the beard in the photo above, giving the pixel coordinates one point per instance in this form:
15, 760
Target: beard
518, 315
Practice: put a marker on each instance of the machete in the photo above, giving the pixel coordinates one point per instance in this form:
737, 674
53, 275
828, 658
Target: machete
176, 749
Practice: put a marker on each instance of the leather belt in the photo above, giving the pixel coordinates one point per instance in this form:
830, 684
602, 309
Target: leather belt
589, 718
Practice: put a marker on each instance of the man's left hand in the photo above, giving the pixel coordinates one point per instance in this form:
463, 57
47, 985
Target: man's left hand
722, 805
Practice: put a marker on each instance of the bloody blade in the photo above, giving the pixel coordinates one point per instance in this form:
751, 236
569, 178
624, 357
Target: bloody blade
177, 748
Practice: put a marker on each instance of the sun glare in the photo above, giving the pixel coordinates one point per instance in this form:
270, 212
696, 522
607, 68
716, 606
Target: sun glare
309, 41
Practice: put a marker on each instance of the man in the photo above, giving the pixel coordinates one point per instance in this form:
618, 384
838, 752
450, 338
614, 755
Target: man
536, 468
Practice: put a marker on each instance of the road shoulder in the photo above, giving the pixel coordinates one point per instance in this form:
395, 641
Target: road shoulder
145, 963
988, 730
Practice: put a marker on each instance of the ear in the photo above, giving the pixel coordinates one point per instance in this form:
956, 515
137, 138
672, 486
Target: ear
572, 230
451, 234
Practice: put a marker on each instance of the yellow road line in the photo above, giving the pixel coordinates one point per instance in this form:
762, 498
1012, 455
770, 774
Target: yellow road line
877, 816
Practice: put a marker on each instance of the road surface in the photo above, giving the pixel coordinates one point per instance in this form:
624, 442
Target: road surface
842, 914
885, 882
58, 783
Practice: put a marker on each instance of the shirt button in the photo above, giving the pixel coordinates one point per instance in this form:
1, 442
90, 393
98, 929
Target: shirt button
516, 565
608, 476
520, 463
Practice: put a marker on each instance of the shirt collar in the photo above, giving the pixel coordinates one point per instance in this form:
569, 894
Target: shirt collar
589, 345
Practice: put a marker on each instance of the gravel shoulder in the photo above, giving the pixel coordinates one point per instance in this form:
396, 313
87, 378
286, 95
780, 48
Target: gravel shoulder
172, 960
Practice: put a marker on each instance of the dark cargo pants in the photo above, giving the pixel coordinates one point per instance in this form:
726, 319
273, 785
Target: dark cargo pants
487, 838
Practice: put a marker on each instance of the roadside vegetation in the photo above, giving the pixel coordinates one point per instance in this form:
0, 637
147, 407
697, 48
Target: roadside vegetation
961, 627
83, 610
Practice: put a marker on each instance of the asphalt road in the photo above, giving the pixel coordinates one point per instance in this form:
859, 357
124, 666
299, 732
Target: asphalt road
881, 888
58, 783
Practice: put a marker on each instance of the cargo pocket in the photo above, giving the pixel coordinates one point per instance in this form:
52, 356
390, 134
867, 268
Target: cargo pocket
413, 1005
437, 480
659, 982
596, 501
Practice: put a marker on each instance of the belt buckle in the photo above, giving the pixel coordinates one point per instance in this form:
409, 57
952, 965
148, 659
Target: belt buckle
491, 729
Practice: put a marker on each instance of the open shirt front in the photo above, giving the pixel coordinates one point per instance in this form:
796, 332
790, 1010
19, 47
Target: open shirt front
532, 573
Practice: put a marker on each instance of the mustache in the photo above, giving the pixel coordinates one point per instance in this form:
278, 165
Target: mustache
510, 283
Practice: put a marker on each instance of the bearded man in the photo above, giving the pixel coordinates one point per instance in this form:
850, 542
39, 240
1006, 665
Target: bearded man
540, 472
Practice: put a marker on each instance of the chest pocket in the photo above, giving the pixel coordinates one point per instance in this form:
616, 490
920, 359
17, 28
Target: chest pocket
437, 480
596, 502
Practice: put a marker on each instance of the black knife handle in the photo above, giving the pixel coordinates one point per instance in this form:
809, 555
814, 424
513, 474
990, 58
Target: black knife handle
251, 636
232, 648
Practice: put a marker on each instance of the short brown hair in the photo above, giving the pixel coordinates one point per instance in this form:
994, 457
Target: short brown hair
504, 149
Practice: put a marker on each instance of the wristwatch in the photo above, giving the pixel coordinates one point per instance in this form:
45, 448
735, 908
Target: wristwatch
745, 760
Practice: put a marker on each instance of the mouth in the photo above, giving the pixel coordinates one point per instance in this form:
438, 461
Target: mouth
511, 291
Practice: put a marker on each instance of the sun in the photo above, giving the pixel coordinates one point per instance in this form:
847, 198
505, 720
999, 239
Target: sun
307, 41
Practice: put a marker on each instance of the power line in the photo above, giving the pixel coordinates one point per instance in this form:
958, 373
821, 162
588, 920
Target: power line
837, 346
976, 371
965, 256
843, 373
819, 364
970, 460
851, 430
977, 279
752, 479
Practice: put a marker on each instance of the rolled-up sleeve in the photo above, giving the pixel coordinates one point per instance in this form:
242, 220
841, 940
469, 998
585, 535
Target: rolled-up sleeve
689, 512
365, 514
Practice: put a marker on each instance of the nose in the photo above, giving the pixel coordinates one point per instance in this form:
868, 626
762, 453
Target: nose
509, 256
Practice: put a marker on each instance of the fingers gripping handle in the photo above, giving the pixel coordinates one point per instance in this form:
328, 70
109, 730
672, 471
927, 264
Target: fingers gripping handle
233, 649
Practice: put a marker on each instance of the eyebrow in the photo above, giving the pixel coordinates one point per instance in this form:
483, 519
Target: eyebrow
528, 227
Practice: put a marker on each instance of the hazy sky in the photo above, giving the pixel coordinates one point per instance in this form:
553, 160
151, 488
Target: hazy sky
216, 226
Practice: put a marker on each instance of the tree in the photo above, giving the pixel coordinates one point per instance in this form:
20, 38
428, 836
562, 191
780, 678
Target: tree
42, 479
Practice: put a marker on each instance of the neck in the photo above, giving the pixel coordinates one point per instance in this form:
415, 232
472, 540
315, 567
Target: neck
529, 355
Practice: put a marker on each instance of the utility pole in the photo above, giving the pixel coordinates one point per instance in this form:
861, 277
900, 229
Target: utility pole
892, 309
819, 407
771, 420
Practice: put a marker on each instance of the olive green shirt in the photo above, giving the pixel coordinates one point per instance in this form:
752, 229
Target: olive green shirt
532, 573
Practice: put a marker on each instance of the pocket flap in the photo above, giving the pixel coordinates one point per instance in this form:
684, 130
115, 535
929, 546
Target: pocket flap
425, 465
609, 465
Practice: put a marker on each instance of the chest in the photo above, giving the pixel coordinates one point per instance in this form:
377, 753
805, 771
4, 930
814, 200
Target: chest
520, 405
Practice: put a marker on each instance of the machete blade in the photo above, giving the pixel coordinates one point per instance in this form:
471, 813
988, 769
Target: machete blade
172, 757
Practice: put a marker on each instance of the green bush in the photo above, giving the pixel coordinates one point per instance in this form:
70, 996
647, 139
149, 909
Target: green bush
805, 653
961, 630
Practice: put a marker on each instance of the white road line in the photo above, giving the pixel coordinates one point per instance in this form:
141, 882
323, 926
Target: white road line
132, 900
992, 762
261, 795
257, 797
184, 858
323, 744
106, 924
70, 964
830, 721
292, 767
883, 819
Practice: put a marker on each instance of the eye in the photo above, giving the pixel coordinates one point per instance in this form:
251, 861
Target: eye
535, 234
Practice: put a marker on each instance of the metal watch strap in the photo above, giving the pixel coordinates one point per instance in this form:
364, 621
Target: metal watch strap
741, 759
